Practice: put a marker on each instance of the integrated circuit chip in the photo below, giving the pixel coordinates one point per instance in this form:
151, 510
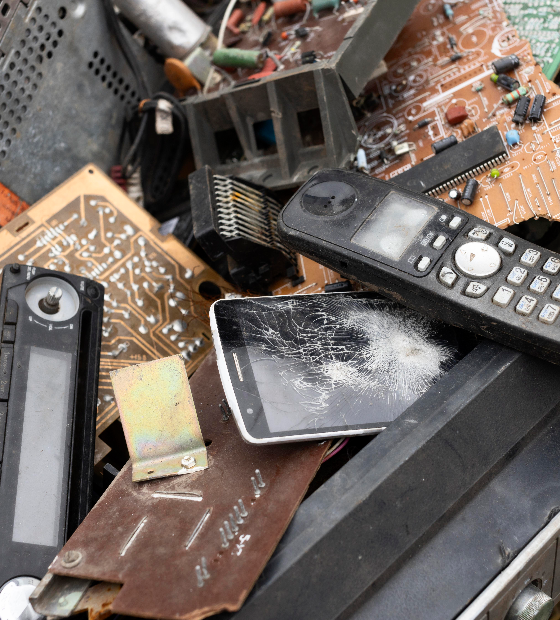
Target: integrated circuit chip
470, 157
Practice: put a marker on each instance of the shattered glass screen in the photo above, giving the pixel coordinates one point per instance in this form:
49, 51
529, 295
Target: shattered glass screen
392, 227
340, 360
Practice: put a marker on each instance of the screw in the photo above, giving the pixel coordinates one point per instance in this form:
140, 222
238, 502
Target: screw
227, 528
234, 527
242, 507
71, 559
259, 478
225, 543
188, 462
92, 292
237, 515
255, 487
199, 577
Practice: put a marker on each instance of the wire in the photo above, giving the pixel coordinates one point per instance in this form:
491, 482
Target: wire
335, 449
221, 35
126, 49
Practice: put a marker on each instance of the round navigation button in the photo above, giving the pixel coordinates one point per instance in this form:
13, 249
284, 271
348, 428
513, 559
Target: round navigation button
478, 259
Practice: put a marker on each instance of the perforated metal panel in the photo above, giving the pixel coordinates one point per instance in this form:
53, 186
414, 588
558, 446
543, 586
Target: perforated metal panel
64, 88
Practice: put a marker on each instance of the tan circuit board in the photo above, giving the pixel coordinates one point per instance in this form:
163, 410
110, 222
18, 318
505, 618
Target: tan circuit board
423, 83
315, 277
157, 292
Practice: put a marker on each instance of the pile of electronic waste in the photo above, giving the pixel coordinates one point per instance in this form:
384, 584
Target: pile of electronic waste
280, 303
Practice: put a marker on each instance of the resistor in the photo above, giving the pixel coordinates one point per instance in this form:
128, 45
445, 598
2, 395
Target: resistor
289, 7
505, 81
258, 14
521, 110
231, 57
514, 95
452, 41
424, 122
469, 193
233, 22
268, 15
448, 11
537, 108
510, 98
321, 5
441, 145
503, 65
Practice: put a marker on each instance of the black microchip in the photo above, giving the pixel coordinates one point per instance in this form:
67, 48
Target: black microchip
338, 287
472, 156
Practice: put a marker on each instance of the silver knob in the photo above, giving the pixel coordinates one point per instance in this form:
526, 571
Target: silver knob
14, 599
531, 604
51, 303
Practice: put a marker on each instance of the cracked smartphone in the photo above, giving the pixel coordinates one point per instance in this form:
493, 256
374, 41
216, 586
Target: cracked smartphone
302, 367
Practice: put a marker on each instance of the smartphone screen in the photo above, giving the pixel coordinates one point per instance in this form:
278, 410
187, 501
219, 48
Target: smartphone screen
329, 362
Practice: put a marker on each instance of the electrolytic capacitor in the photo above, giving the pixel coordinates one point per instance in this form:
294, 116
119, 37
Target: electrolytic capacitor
289, 7
521, 110
308, 58
231, 57
505, 81
537, 108
454, 194
441, 145
503, 65
469, 193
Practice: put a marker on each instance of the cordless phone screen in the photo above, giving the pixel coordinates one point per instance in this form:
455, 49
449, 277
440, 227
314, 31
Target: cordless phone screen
394, 225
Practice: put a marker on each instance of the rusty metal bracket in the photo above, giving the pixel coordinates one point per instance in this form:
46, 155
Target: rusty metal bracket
159, 419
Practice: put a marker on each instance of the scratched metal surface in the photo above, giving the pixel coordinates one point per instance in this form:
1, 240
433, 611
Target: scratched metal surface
143, 536
153, 305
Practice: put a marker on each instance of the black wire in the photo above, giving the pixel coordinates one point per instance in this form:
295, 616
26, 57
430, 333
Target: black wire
126, 49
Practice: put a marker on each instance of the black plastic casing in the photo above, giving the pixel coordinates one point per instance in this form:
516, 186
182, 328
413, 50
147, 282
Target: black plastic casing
326, 238
80, 336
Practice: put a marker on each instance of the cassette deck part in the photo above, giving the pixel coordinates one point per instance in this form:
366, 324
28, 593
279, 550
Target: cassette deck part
215, 548
49, 371
90, 227
67, 303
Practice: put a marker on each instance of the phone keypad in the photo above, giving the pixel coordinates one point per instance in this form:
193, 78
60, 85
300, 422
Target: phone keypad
526, 305
530, 258
539, 285
552, 266
475, 289
503, 297
447, 277
549, 314
517, 276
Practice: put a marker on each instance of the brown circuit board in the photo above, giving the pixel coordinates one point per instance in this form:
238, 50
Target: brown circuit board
422, 82
314, 276
187, 547
157, 292
325, 34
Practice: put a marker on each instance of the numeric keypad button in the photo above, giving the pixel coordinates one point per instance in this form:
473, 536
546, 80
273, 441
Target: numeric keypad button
526, 305
549, 314
517, 276
530, 258
503, 296
479, 234
539, 285
552, 266
507, 246
447, 277
475, 289
455, 222
556, 294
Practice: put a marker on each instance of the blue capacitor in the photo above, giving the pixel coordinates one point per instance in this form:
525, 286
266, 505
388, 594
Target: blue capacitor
512, 137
